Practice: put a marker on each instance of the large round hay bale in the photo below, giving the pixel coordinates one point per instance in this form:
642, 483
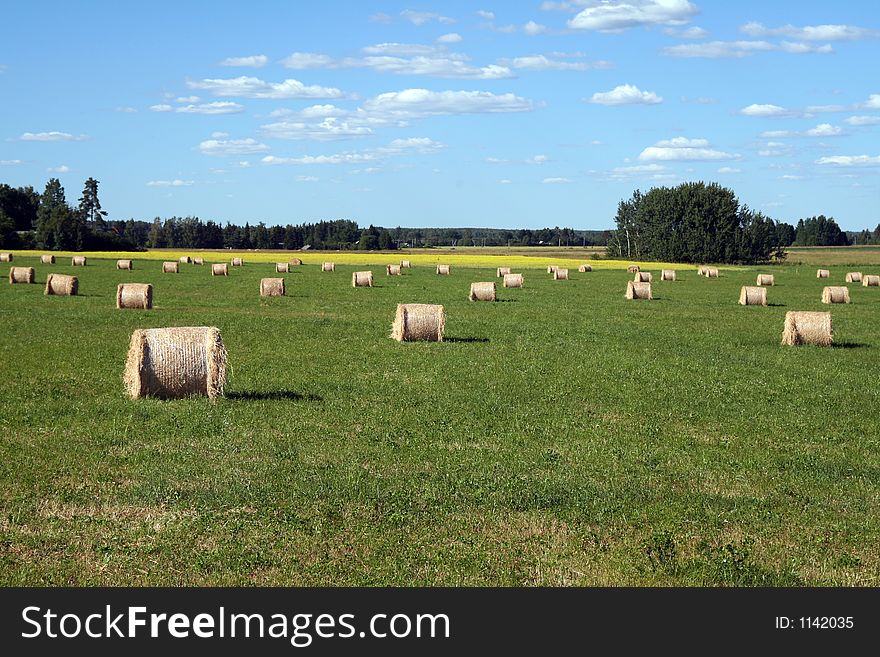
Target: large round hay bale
237, 262
124, 264
482, 291
5, 257
171, 363
219, 269
632, 269
711, 272
392, 270
560, 274
552, 268
295, 261
198, 261
47, 259
185, 260
502, 271
667, 275
282, 267
835, 294
443, 270
822, 273
61, 285
362, 279
643, 277
701, 270
328, 266
22, 275
584, 268
170, 267
854, 277
870, 281
419, 321
765, 279
513, 280
271, 287
78, 261
807, 328
752, 295
405, 264
134, 295
638, 290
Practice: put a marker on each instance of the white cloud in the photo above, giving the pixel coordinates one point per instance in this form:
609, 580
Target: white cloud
338, 158
699, 100
232, 147
811, 32
381, 18
251, 61
539, 159
764, 110
504, 181
544, 63
452, 37
873, 102
170, 183
532, 28
555, 181
244, 164
412, 103
307, 179
819, 109
729, 170
824, 130
188, 99
250, 87
218, 107
59, 169
411, 145
684, 149
163, 107
736, 49
615, 15
10, 163
219, 135
850, 160
774, 149
652, 171
422, 17
777, 134
125, 110
51, 136
307, 60
400, 49
488, 15
863, 120
790, 176
689, 33
626, 94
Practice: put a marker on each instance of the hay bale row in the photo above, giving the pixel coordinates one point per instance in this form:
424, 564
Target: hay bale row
171, 363
513, 280
632, 269
271, 287
752, 295
124, 264
61, 285
502, 271
560, 274
484, 291
237, 262
870, 281
854, 277
47, 259
170, 267
443, 270
835, 294
328, 266
584, 268
822, 273
22, 275
186, 260
392, 270
362, 279
282, 267
134, 295
418, 321
667, 275
807, 328
5, 257
78, 261
405, 264
766, 279
638, 290
198, 261
643, 277
219, 269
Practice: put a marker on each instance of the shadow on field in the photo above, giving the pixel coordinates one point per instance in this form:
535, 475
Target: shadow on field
776, 305
848, 345
465, 340
272, 395
506, 300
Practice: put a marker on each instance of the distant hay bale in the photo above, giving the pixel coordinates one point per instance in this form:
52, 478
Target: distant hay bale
21, 275
271, 287
632, 269
124, 264
766, 279
78, 261
5, 257
807, 328
822, 273
219, 269
171, 363
392, 270
482, 292
61, 285
561, 274
835, 294
502, 271
295, 261
328, 266
638, 290
418, 321
752, 295
552, 268
854, 277
186, 260
362, 279
47, 259
443, 270
701, 271
870, 281
170, 267
584, 268
667, 275
405, 264
711, 272
513, 280
643, 277
134, 295
198, 261
282, 267
237, 262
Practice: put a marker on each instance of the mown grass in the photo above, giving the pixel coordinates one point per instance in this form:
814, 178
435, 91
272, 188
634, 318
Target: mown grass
562, 436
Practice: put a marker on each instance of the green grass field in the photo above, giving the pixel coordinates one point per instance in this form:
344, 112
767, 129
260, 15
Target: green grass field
561, 436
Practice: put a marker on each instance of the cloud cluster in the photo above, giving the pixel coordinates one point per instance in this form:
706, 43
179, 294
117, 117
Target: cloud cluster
217, 107
626, 94
251, 61
811, 32
684, 149
222, 147
739, 49
54, 135
251, 87
615, 16
171, 183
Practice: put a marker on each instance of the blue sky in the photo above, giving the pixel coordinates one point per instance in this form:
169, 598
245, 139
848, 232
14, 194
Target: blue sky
503, 114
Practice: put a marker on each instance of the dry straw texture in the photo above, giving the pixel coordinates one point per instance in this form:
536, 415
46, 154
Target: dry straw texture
171, 363
418, 321
219, 269
124, 264
134, 295
62, 285
502, 271
47, 259
328, 266
638, 290
752, 295
198, 261
295, 261
854, 277
443, 270
78, 261
169, 267
644, 277
632, 269
482, 292
513, 280
362, 279
807, 328
22, 275
5, 257
237, 262
585, 268
711, 272
835, 294
271, 287
282, 267
186, 260
765, 279
405, 264
561, 274
870, 281
392, 270
822, 273
667, 275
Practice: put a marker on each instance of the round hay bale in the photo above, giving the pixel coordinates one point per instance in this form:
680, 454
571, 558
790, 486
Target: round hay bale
766, 279
271, 287
822, 273
502, 271
295, 261
552, 268
21, 275
219, 269
392, 270
362, 279
5, 257
124, 264
513, 280
328, 266
170, 267
752, 295
198, 261
419, 321
61, 285
643, 277
835, 294
870, 281
237, 262
701, 270
47, 259
638, 290
78, 261
854, 277
482, 291
443, 270
561, 274
632, 269
186, 260
667, 275
584, 268
711, 272
807, 328
282, 267
405, 264
134, 295
171, 363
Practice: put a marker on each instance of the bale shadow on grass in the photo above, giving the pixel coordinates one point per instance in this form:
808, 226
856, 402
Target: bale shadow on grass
506, 300
848, 345
272, 395
465, 340
776, 305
